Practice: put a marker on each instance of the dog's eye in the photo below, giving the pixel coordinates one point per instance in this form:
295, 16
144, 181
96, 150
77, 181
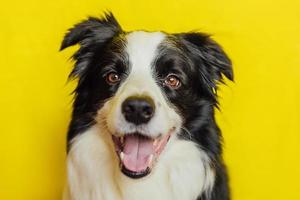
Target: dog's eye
112, 78
172, 81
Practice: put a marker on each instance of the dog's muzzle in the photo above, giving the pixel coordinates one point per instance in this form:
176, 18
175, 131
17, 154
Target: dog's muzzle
138, 151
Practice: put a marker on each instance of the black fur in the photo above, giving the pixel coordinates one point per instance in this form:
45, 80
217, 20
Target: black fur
97, 48
200, 64
198, 61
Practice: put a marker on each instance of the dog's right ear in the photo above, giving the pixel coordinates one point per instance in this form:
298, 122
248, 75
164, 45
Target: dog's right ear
90, 34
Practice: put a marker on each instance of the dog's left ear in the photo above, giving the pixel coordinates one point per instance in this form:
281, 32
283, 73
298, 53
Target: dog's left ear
92, 34
212, 60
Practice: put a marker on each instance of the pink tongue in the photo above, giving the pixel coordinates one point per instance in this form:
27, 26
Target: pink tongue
137, 151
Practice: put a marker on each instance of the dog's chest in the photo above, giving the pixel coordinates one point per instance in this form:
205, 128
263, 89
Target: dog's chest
182, 172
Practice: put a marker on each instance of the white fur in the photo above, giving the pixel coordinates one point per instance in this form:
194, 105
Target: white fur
182, 171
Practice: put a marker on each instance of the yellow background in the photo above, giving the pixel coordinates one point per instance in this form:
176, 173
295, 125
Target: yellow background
260, 112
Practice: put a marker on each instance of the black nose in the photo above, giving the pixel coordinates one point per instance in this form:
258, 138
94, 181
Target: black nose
138, 110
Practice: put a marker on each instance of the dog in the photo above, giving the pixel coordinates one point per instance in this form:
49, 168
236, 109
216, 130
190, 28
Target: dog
143, 124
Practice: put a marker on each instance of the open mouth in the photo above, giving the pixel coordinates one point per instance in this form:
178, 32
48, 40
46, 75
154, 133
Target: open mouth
138, 153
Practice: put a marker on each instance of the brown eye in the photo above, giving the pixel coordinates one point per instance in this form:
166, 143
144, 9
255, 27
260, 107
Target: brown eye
112, 78
172, 81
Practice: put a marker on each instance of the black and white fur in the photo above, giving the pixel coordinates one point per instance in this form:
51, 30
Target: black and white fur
191, 166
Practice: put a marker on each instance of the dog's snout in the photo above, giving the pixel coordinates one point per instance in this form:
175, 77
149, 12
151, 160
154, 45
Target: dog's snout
138, 110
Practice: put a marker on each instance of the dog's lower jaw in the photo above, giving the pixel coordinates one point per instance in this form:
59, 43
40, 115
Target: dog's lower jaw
182, 173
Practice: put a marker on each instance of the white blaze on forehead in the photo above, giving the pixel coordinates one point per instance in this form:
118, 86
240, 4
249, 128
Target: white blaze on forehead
142, 47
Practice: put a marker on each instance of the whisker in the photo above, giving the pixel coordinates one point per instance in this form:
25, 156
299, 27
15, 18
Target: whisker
187, 131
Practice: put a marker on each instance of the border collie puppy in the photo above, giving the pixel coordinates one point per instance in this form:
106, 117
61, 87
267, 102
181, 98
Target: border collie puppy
143, 125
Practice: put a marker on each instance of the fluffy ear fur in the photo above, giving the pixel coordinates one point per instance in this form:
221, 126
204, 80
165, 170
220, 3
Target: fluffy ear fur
92, 35
210, 56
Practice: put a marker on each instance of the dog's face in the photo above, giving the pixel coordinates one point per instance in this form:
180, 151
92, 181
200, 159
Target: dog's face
144, 88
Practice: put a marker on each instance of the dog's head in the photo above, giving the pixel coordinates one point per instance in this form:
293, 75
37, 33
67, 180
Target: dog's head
142, 87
